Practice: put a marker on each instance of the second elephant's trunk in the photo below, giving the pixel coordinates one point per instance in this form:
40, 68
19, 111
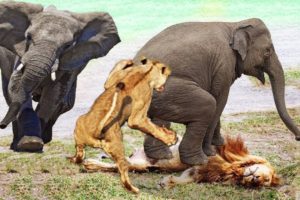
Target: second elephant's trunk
276, 76
38, 63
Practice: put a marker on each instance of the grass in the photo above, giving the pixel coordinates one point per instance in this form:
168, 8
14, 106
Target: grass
291, 76
50, 176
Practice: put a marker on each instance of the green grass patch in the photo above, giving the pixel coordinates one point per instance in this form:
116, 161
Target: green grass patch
291, 76
51, 176
260, 121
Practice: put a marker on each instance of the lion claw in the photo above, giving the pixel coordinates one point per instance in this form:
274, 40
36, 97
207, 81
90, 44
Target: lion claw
170, 137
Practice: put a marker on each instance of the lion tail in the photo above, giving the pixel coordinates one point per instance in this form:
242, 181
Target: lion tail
92, 165
120, 86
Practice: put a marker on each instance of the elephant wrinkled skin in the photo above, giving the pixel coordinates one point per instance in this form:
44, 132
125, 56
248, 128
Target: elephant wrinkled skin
50, 48
205, 59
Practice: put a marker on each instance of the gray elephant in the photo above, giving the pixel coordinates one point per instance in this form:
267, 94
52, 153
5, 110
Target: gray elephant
206, 58
49, 48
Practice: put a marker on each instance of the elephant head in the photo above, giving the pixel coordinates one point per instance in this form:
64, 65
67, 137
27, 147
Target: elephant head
256, 56
45, 38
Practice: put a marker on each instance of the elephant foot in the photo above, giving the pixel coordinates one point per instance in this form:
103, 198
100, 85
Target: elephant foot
47, 135
13, 146
46, 131
161, 153
209, 150
196, 159
156, 149
30, 144
47, 139
218, 140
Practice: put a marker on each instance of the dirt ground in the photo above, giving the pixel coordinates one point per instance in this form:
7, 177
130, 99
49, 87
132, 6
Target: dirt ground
50, 175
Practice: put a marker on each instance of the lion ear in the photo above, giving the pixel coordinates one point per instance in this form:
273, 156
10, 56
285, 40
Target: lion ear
118, 73
144, 60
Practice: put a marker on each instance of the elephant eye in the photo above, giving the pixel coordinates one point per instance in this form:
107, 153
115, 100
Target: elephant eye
28, 37
267, 52
69, 45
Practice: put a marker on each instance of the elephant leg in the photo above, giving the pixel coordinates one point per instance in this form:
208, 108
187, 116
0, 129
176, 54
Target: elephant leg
214, 127
16, 136
217, 139
29, 129
155, 148
191, 106
52, 101
190, 148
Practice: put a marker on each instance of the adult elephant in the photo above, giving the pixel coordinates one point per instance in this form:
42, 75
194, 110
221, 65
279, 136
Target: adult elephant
51, 47
206, 58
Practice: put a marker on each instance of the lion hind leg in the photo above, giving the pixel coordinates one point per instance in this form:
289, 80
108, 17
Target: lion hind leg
114, 147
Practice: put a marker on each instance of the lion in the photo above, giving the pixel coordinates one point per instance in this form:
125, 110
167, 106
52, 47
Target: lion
127, 97
232, 165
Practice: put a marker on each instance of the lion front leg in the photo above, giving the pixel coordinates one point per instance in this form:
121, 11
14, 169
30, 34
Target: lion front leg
79, 155
145, 125
138, 120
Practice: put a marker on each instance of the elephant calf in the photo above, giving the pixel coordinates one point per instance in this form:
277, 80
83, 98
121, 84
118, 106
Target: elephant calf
206, 58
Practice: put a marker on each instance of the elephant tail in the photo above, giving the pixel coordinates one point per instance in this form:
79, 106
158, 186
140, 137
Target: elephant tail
120, 86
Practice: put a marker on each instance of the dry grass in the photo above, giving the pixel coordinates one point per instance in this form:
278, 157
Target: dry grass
50, 176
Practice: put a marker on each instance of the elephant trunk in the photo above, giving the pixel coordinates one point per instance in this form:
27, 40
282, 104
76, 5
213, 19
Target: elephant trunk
38, 62
276, 76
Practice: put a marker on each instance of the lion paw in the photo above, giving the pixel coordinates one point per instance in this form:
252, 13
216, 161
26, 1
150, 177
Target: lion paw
166, 182
169, 137
74, 159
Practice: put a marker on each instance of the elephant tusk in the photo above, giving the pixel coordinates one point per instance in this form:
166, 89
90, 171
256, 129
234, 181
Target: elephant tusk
20, 67
53, 76
54, 69
55, 65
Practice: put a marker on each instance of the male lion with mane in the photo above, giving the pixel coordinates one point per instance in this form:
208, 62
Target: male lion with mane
232, 165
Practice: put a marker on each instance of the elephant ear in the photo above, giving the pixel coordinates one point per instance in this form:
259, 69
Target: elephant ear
14, 21
240, 40
97, 36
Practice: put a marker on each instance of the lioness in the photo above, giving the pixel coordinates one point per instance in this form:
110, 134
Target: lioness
127, 97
